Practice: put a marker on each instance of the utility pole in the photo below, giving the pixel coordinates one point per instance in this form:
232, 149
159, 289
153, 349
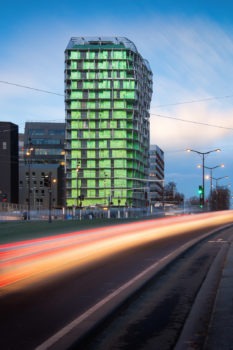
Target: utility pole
48, 183
50, 197
29, 154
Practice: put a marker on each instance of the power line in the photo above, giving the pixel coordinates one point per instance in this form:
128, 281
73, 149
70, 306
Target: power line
193, 122
158, 115
31, 88
195, 101
158, 106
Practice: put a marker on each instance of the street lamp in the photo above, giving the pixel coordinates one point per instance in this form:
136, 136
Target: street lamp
211, 170
50, 181
28, 154
217, 195
220, 178
77, 170
105, 193
63, 184
203, 154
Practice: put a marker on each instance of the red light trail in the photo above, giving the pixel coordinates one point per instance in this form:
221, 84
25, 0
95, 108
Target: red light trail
24, 262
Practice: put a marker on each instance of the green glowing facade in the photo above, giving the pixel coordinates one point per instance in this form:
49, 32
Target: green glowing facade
108, 89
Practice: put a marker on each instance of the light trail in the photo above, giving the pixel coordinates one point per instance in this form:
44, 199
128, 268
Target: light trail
23, 263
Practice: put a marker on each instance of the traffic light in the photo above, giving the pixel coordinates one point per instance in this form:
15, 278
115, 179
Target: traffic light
201, 196
200, 190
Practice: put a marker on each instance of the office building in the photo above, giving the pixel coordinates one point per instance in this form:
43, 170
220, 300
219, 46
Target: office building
9, 174
108, 89
156, 175
42, 156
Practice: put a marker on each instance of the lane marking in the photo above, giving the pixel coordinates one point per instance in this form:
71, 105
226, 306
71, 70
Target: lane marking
70, 326
51, 341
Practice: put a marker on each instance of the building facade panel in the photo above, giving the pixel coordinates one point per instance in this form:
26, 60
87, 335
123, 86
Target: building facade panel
108, 89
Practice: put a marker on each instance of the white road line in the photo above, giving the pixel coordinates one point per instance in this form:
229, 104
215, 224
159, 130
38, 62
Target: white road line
51, 341
68, 328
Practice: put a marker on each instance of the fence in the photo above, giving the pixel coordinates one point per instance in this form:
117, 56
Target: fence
19, 212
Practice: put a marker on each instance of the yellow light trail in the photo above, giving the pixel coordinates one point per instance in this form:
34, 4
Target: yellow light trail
23, 263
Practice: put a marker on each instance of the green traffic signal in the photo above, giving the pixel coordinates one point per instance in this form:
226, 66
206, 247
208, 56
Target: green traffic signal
201, 196
200, 190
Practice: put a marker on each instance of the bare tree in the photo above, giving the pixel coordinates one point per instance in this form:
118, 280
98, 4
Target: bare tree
220, 199
171, 194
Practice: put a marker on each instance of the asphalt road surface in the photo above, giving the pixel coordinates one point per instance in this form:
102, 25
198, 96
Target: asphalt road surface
154, 317
32, 314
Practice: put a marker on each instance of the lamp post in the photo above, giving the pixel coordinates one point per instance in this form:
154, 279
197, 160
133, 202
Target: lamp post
50, 182
50, 196
105, 192
203, 154
219, 178
211, 171
77, 170
28, 154
217, 192
63, 185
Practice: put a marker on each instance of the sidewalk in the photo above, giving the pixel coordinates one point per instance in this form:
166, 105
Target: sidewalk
209, 325
220, 333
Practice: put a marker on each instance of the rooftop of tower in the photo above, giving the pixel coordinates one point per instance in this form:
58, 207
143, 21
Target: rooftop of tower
94, 42
104, 42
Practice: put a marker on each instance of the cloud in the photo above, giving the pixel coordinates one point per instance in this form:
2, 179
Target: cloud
175, 133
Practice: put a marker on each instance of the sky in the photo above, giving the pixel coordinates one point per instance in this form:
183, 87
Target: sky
189, 46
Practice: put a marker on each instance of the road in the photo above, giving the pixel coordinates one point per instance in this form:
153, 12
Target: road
155, 317
49, 287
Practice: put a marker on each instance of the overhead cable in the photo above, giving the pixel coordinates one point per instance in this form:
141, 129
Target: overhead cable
158, 115
31, 88
195, 101
193, 122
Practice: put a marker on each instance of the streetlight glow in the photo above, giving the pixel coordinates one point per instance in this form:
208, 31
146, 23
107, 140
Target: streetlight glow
193, 150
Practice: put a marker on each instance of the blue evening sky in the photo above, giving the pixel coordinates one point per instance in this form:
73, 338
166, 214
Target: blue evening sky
189, 45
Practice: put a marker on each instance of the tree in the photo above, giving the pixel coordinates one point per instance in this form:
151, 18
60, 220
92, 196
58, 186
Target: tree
171, 194
194, 200
220, 199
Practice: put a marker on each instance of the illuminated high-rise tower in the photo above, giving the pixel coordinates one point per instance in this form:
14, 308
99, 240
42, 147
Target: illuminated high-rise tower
108, 89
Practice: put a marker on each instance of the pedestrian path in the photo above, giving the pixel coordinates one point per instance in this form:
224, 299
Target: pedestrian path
209, 325
220, 334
